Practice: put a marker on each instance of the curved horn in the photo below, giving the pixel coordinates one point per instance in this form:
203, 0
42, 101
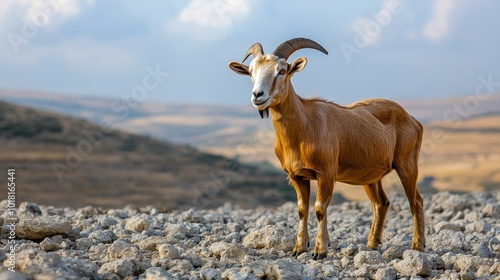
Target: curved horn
255, 49
288, 47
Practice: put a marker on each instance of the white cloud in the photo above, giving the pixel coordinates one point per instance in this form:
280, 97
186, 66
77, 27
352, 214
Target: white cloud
438, 26
208, 19
371, 28
42, 13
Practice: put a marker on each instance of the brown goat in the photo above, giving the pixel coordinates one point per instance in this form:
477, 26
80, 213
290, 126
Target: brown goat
319, 140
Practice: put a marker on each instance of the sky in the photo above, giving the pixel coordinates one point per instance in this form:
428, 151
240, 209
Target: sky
179, 50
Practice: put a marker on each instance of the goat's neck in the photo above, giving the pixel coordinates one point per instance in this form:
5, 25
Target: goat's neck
289, 116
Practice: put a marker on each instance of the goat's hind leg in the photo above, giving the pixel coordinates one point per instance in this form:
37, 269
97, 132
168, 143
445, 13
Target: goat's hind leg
408, 175
380, 205
303, 190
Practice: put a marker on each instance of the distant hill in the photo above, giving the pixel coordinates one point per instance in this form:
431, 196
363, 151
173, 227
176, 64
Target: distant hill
65, 161
461, 149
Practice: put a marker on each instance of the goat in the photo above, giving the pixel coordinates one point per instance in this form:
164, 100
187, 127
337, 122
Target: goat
319, 140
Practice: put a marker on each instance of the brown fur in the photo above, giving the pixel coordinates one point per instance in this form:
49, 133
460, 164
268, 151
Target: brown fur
358, 144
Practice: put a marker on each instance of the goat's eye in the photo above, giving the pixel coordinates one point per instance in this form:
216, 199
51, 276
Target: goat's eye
282, 72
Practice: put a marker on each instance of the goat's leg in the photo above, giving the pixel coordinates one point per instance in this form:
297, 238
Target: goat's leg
380, 205
408, 175
303, 190
325, 191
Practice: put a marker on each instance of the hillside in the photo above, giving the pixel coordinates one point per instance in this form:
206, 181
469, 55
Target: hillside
461, 154
64, 161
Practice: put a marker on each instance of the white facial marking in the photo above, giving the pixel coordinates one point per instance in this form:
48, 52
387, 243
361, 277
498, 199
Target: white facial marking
265, 78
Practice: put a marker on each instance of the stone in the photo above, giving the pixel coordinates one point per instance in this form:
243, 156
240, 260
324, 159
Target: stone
118, 213
103, 236
368, 257
28, 210
386, 273
272, 236
237, 274
448, 241
122, 268
363, 272
211, 274
178, 231
394, 252
158, 273
151, 243
284, 269
193, 216
9, 275
227, 252
37, 262
482, 226
447, 225
481, 249
49, 245
138, 223
349, 250
43, 226
168, 251
122, 249
414, 263
492, 210
258, 268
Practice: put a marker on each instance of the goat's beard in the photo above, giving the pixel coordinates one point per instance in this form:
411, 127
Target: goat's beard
264, 112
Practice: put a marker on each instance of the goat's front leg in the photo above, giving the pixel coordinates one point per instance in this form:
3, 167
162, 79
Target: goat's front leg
325, 191
303, 190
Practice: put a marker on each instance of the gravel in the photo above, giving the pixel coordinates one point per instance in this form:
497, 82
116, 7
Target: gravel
463, 242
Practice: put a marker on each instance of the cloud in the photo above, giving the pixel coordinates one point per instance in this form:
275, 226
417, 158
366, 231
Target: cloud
438, 26
41, 13
372, 27
208, 19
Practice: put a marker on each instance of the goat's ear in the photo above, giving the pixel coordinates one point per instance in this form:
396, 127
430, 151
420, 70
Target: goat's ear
297, 65
239, 68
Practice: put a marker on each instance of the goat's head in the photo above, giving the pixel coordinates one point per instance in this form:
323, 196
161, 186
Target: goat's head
271, 73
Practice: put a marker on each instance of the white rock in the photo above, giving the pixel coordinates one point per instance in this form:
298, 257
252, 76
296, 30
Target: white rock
284, 269
168, 251
122, 268
278, 237
42, 226
414, 263
386, 273
138, 223
368, 257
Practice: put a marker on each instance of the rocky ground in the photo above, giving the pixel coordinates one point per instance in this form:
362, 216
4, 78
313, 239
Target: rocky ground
463, 242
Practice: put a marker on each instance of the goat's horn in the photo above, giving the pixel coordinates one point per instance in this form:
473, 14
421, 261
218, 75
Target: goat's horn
255, 49
288, 47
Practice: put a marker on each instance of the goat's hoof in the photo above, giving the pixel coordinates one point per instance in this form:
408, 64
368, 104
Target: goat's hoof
319, 256
296, 253
418, 246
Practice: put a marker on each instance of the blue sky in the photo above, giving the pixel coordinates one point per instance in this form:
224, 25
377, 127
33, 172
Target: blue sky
399, 49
